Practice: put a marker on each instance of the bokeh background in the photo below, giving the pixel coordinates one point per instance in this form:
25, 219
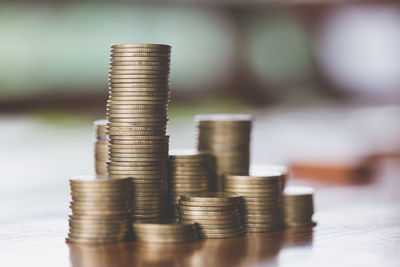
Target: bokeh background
321, 77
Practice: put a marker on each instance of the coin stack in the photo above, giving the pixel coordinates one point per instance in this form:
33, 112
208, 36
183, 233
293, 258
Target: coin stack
137, 115
100, 209
216, 214
262, 199
100, 147
298, 206
257, 168
189, 171
165, 233
227, 137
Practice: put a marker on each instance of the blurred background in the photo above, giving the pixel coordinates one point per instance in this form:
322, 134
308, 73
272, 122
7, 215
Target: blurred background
321, 77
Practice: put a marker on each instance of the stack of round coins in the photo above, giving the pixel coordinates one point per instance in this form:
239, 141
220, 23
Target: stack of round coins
227, 137
100, 147
262, 199
217, 214
257, 168
298, 206
164, 233
100, 209
137, 115
189, 171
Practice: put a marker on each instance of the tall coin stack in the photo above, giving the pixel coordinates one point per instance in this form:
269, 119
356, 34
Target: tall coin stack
298, 206
100, 209
137, 115
217, 214
262, 200
189, 171
227, 137
100, 147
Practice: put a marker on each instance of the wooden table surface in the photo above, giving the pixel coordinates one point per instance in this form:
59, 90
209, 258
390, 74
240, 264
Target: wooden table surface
358, 225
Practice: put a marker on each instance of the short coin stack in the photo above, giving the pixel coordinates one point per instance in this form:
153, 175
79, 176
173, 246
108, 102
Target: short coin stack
216, 214
257, 168
189, 171
298, 206
164, 233
227, 137
262, 199
100, 147
100, 209
137, 115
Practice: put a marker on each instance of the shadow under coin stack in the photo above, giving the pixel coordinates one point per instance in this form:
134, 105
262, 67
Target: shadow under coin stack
189, 171
100, 210
262, 200
217, 214
100, 147
164, 233
298, 206
137, 115
227, 137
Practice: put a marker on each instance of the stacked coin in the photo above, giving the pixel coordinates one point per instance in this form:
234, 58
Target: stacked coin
298, 206
216, 214
137, 115
189, 171
100, 147
257, 168
100, 209
227, 137
164, 233
262, 199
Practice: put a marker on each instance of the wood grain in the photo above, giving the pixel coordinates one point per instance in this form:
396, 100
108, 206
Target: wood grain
358, 225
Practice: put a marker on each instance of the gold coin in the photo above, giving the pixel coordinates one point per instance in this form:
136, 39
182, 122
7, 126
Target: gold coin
140, 54
137, 80
217, 222
139, 63
206, 209
96, 179
131, 159
132, 93
71, 239
161, 146
137, 164
206, 204
153, 46
137, 85
163, 59
142, 137
140, 68
161, 72
212, 197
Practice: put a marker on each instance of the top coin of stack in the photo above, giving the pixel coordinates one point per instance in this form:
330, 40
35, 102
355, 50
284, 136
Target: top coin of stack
137, 115
164, 233
262, 199
298, 206
189, 171
217, 214
227, 137
100, 209
258, 168
100, 147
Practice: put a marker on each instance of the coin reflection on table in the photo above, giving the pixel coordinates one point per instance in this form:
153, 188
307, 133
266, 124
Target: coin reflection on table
298, 236
220, 252
107, 255
261, 249
163, 254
